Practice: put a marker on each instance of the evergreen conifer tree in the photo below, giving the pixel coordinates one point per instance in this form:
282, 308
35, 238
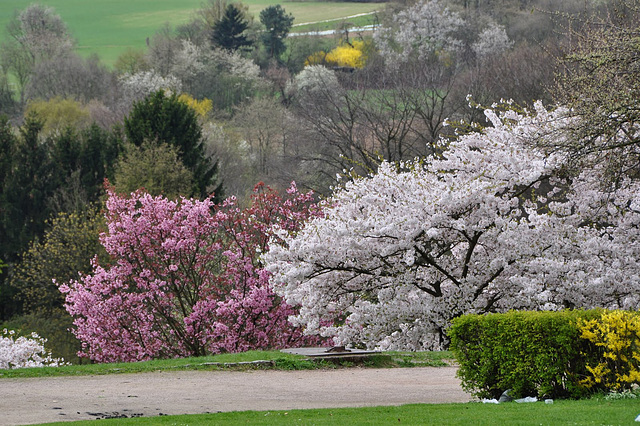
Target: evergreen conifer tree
228, 32
277, 23
162, 118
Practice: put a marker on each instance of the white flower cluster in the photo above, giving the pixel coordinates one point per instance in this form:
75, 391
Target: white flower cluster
421, 30
190, 61
491, 41
314, 80
23, 352
490, 227
235, 64
141, 84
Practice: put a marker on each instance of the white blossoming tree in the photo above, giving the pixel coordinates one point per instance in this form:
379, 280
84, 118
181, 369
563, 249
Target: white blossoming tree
21, 352
491, 41
141, 84
490, 227
419, 32
36, 34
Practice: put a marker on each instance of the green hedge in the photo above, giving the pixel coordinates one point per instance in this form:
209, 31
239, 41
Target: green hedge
532, 353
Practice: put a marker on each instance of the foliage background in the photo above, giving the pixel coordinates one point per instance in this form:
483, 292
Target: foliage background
109, 27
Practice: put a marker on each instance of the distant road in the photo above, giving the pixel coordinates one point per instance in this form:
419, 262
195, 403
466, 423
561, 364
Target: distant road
40, 400
329, 32
337, 19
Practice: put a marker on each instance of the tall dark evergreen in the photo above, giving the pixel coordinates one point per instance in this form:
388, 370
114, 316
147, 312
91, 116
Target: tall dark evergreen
25, 189
277, 24
98, 157
228, 32
163, 118
8, 104
8, 144
83, 160
40, 177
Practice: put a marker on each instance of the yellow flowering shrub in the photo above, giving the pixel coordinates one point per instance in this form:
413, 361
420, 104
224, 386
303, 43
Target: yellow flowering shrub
617, 335
201, 108
346, 55
317, 58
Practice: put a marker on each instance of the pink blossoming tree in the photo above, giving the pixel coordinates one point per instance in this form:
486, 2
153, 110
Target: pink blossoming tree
185, 279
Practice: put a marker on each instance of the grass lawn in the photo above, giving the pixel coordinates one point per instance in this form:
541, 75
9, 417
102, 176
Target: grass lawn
587, 412
597, 411
109, 27
245, 360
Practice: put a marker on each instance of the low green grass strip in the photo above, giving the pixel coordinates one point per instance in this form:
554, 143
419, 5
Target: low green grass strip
586, 412
199, 363
421, 359
274, 360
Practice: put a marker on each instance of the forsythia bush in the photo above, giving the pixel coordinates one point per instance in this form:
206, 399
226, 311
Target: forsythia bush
346, 55
201, 107
24, 352
616, 334
316, 58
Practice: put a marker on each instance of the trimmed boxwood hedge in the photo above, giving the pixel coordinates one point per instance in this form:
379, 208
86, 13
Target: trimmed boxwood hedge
531, 353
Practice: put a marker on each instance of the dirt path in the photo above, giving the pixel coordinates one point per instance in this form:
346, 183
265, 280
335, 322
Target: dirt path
28, 401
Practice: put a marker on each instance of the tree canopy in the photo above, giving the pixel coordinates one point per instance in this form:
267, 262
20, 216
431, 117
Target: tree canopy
187, 279
600, 83
36, 34
163, 118
277, 24
491, 226
228, 32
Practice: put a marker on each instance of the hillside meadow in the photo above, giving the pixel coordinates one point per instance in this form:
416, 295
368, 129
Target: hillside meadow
109, 27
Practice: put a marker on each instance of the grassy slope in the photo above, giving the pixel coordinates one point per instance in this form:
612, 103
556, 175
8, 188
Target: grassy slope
109, 27
281, 361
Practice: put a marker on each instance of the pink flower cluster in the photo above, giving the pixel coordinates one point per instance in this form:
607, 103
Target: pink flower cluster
185, 278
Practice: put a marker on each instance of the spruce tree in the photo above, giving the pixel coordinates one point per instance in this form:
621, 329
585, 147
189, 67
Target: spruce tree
162, 118
228, 32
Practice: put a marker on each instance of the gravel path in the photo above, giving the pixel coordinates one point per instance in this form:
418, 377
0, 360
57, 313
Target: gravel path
28, 401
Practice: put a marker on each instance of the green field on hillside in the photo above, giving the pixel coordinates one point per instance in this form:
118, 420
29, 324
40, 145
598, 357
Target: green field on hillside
109, 27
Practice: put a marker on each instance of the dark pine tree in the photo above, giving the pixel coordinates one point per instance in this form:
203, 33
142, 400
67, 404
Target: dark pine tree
277, 24
25, 188
164, 119
228, 32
